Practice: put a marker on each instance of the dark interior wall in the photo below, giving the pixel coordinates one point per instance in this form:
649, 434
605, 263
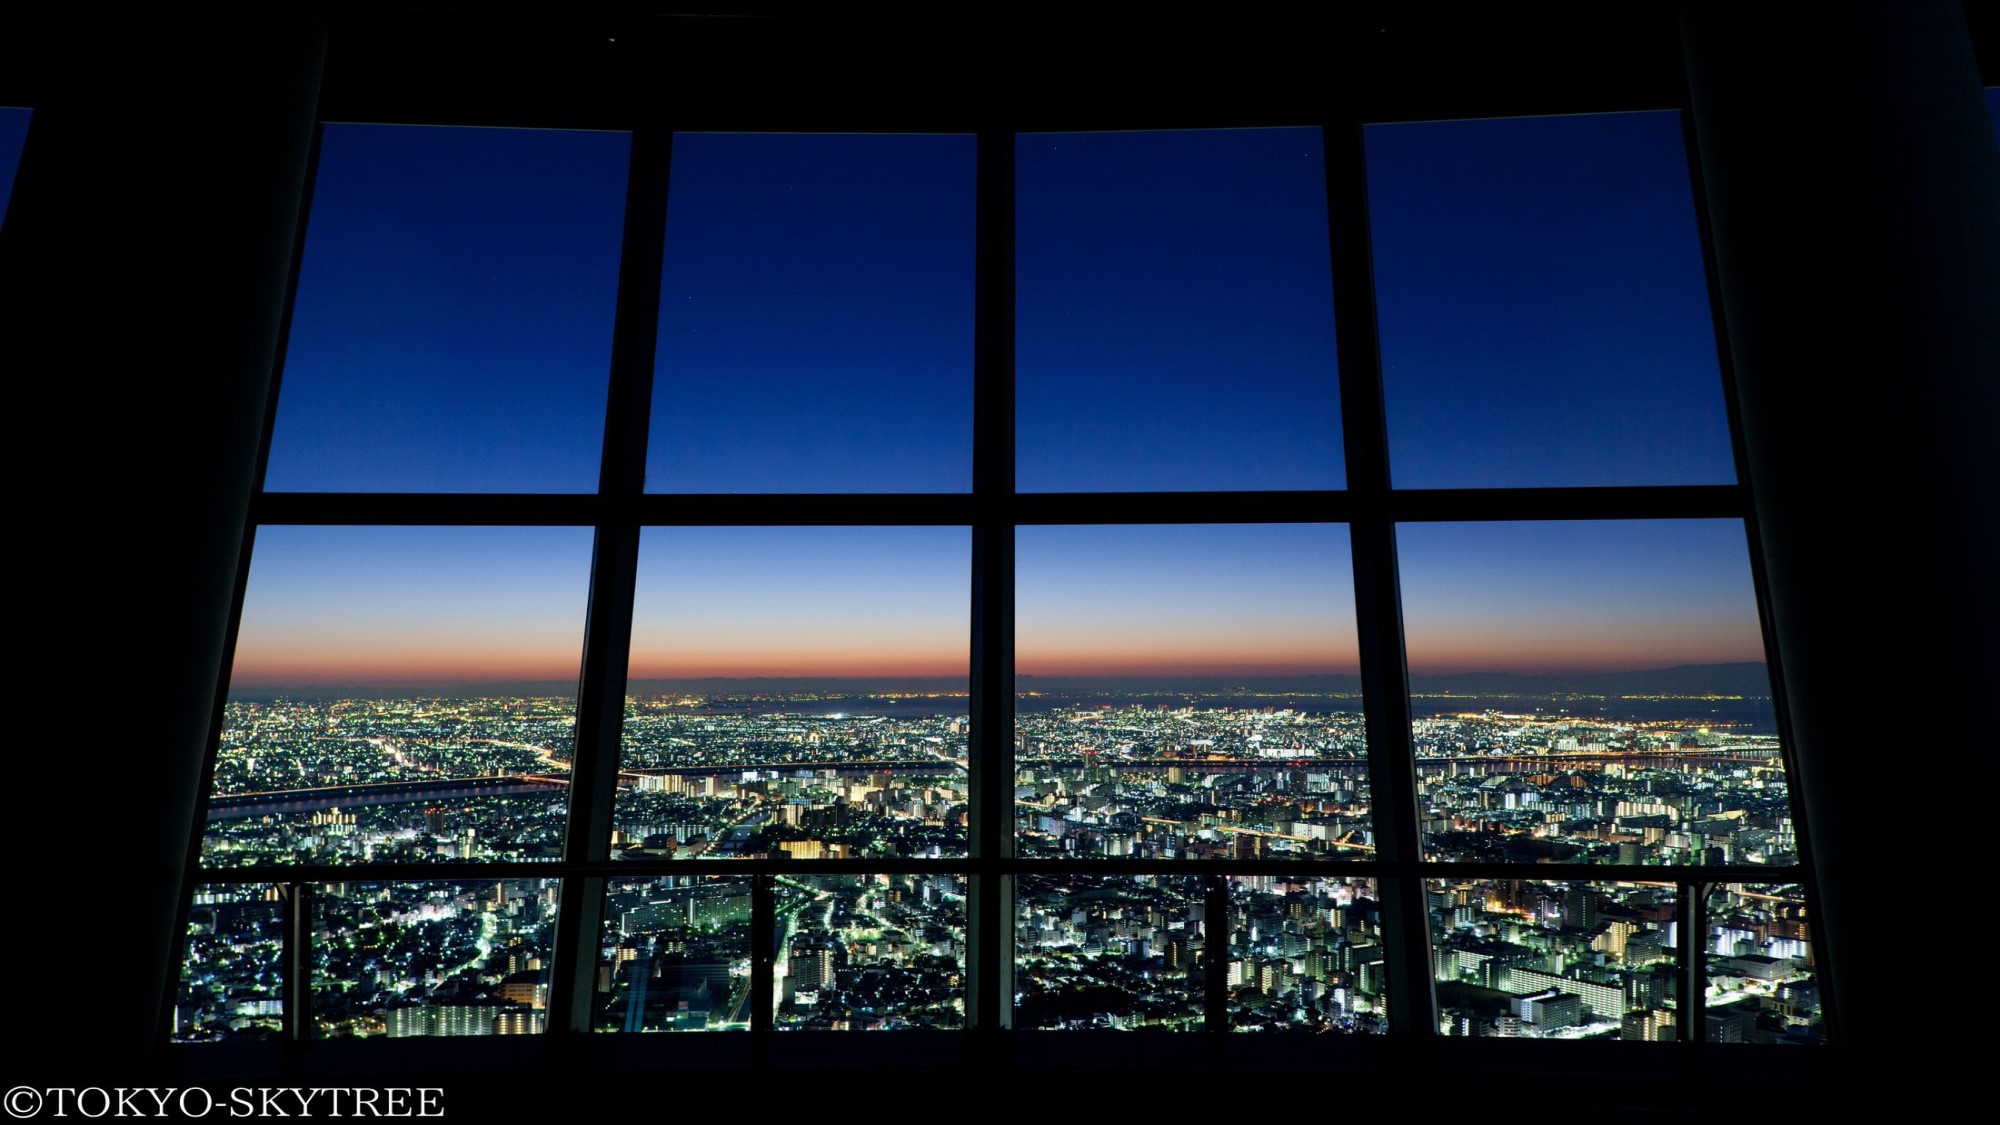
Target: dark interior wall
144, 265
1855, 190
146, 251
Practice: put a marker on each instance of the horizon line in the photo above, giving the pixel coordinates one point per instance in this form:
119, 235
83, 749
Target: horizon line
932, 682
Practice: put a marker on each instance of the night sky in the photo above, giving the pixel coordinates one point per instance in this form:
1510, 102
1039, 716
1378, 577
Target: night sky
1543, 322
1174, 312
815, 316
13, 133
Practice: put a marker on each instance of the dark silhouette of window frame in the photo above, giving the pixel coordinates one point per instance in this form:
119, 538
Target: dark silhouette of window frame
1369, 506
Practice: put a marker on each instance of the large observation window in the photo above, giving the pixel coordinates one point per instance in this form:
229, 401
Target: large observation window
845, 582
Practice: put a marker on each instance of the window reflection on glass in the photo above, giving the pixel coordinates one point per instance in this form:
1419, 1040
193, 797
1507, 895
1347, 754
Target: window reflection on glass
675, 955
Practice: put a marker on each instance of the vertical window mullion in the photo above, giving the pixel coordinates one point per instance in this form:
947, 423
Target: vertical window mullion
991, 745
614, 575
1692, 952
1378, 606
297, 1016
763, 963
1215, 939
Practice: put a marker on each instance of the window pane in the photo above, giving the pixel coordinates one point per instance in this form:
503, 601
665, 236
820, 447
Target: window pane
797, 692
1305, 954
816, 316
1592, 692
1121, 952
452, 331
432, 958
676, 955
1520, 958
870, 952
1543, 305
1762, 986
1188, 692
1174, 312
232, 975
13, 135
401, 695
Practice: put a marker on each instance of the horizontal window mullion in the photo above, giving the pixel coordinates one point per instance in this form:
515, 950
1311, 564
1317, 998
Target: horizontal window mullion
1409, 505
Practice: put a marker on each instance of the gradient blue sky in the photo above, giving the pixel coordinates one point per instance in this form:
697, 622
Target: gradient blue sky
1200, 599
1174, 315
13, 134
452, 331
816, 316
1543, 319
802, 601
339, 606
1576, 596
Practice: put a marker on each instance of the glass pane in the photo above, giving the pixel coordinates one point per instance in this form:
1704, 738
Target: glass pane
1521, 958
232, 975
432, 958
13, 135
870, 952
452, 331
1121, 952
1592, 692
1174, 312
1762, 986
1305, 954
676, 955
797, 692
401, 695
1188, 692
1543, 305
816, 316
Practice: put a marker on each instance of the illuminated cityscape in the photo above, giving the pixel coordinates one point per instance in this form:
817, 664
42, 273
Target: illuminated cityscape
1098, 776
1534, 959
1185, 821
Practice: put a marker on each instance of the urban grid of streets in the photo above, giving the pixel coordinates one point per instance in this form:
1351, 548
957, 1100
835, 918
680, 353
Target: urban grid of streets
458, 780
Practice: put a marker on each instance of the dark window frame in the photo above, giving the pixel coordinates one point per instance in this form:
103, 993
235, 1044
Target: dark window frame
1369, 506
